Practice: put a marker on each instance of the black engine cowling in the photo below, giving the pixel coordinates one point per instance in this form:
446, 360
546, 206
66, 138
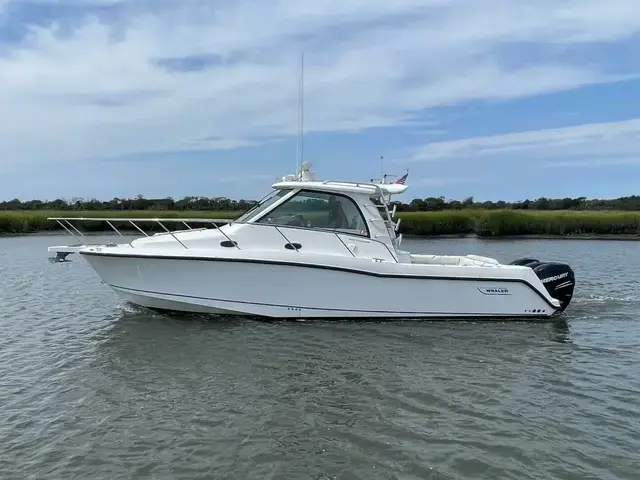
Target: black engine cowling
557, 278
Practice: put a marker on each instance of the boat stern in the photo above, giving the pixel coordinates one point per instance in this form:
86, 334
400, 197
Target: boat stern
558, 279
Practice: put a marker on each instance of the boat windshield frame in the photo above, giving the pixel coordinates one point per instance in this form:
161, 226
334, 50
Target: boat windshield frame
265, 203
273, 206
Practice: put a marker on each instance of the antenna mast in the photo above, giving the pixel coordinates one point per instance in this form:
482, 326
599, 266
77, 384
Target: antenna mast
301, 108
300, 133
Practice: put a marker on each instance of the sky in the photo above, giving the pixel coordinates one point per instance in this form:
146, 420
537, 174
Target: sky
495, 99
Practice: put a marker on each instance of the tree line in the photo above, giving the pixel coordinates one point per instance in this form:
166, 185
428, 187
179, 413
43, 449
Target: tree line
430, 204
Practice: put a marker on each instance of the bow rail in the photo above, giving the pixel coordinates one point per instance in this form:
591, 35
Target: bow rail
62, 251
71, 229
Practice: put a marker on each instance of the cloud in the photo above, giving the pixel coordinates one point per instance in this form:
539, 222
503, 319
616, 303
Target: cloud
580, 145
109, 78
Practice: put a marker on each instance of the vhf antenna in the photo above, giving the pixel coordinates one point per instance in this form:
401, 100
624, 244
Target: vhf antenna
300, 133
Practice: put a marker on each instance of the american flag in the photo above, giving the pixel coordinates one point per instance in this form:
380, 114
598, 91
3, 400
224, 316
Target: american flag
402, 179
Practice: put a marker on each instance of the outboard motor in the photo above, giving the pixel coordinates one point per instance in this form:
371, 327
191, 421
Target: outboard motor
557, 278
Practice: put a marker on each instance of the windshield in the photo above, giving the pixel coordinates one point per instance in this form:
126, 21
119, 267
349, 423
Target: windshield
321, 210
263, 205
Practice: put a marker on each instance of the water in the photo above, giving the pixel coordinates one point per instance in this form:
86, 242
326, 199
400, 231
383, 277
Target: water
93, 388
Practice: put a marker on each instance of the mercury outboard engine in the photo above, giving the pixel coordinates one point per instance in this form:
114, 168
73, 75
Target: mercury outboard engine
557, 278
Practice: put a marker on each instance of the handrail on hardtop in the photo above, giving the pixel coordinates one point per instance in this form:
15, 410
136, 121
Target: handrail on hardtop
341, 182
376, 186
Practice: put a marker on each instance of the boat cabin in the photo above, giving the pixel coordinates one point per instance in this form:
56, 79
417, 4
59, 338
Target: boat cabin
356, 209
332, 218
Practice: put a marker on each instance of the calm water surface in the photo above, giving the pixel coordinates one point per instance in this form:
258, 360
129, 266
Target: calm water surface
93, 388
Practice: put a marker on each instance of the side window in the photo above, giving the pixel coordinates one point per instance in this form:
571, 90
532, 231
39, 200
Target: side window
319, 210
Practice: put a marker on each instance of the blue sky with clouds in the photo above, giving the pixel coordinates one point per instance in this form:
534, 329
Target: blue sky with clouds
498, 99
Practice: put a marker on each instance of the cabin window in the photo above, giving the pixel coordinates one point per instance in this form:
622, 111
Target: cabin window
319, 210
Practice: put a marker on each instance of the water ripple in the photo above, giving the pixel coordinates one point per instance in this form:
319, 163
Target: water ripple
93, 388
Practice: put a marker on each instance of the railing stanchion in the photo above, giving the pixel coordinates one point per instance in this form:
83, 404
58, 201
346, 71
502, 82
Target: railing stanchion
69, 231
138, 228
285, 238
72, 226
171, 233
114, 228
345, 245
226, 236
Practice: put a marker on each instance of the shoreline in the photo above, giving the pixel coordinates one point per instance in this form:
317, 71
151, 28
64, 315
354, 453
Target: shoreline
466, 223
534, 236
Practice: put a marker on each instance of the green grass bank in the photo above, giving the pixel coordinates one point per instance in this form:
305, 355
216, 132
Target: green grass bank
28, 221
485, 223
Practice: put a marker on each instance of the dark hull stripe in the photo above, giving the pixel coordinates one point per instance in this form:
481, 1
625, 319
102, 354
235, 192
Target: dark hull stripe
369, 312
324, 267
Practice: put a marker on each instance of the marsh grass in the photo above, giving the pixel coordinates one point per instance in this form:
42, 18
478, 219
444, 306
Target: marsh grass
498, 223
23, 222
486, 223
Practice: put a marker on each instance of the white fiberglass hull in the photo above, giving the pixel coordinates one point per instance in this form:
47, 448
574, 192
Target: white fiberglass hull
273, 287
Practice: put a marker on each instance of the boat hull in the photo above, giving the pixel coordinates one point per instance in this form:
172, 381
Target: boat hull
286, 289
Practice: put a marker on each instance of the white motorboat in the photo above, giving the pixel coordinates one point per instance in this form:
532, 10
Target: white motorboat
317, 249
